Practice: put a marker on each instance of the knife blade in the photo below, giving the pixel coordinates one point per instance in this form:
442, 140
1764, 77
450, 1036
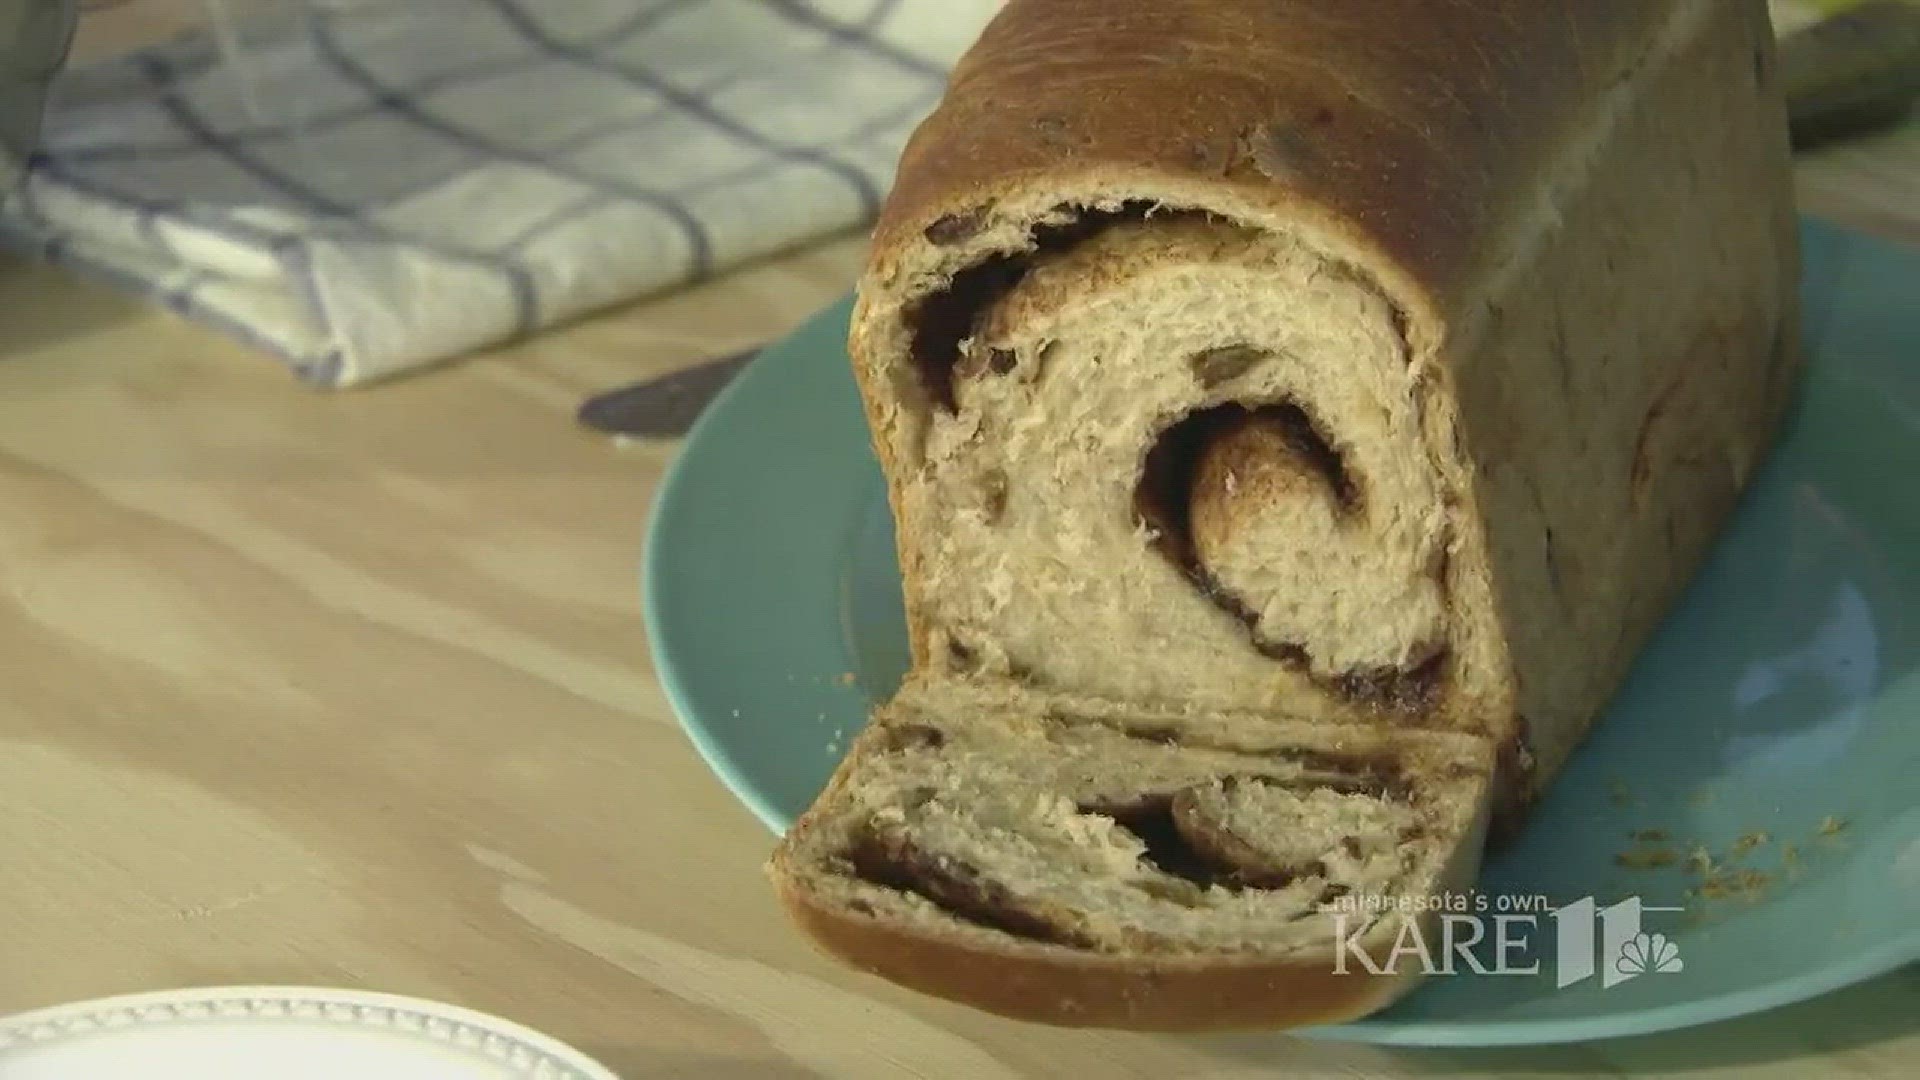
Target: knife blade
664, 407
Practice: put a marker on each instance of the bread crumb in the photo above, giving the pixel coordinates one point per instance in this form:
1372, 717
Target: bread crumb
1646, 860
1790, 860
847, 678
1735, 885
1722, 880
1700, 861
1651, 836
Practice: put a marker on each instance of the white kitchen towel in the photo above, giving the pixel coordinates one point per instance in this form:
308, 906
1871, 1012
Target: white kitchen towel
366, 187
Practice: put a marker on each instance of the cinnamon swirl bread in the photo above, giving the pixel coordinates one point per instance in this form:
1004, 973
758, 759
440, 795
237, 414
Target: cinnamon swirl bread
1300, 373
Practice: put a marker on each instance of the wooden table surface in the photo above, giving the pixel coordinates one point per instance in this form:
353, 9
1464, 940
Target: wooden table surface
351, 689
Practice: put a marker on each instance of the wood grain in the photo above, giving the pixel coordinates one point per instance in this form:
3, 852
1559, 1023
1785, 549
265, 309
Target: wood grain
351, 689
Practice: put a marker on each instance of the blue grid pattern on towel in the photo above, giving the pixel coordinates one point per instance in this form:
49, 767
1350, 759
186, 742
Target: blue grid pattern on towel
366, 188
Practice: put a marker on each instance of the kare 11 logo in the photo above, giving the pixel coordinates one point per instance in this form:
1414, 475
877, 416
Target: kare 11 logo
1589, 940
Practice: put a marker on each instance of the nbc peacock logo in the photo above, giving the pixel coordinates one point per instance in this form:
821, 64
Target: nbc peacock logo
1649, 952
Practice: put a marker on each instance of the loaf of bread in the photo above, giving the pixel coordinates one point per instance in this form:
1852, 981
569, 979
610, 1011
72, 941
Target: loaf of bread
1360, 378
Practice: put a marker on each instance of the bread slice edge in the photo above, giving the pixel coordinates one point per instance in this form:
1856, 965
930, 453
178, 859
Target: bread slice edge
1064, 986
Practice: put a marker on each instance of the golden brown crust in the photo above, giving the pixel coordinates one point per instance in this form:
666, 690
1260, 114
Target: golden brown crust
1411, 122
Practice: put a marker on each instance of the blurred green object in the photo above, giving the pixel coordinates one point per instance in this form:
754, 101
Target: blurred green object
34, 38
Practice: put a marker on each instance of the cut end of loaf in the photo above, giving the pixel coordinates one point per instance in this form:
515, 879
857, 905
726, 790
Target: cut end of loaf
1063, 860
1219, 409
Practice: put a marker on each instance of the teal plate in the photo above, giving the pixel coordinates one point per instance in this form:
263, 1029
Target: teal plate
1780, 698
